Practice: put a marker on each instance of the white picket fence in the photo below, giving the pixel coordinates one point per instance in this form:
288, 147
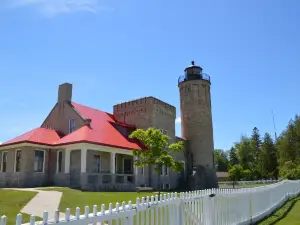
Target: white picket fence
206, 207
245, 183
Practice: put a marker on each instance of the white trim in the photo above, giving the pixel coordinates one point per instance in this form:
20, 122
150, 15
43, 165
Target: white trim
15, 162
101, 148
2, 161
94, 147
57, 161
20, 145
40, 150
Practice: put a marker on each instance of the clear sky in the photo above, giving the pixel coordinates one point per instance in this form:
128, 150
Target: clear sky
118, 50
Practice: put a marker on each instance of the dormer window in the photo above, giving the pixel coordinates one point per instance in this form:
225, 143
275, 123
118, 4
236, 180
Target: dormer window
72, 125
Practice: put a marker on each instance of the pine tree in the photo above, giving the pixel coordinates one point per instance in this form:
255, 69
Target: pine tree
233, 159
268, 158
256, 150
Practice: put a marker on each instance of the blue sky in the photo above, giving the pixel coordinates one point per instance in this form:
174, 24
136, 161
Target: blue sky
118, 50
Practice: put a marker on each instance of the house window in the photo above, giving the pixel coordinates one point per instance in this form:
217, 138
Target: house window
72, 125
166, 171
17, 161
97, 164
167, 186
39, 161
163, 131
142, 170
127, 166
4, 161
48, 127
161, 170
59, 161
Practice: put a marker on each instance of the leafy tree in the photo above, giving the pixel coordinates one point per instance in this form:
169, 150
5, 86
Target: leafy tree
288, 143
221, 160
268, 158
233, 159
290, 171
245, 153
246, 174
157, 152
236, 172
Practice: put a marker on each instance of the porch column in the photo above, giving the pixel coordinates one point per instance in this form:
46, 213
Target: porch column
67, 160
113, 167
136, 171
113, 162
83, 160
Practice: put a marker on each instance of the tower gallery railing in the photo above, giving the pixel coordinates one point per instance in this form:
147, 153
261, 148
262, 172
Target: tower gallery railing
205, 207
202, 76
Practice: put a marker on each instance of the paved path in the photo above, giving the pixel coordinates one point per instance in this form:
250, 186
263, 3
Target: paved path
43, 201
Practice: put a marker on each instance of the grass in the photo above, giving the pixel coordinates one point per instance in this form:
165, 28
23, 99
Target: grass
74, 198
293, 216
11, 203
288, 214
241, 185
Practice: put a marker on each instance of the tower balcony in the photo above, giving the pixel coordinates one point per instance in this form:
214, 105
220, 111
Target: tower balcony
198, 76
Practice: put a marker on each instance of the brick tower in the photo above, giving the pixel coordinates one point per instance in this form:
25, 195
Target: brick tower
196, 125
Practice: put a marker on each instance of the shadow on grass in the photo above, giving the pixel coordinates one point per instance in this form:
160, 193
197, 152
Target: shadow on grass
280, 213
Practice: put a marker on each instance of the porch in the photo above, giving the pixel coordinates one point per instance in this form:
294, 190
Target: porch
99, 169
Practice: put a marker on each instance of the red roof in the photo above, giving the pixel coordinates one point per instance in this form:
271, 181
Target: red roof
102, 130
36, 136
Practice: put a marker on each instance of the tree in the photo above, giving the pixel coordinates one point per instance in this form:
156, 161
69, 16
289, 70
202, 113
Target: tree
245, 153
256, 150
233, 159
290, 171
221, 160
268, 158
157, 152
235, 173
246, 174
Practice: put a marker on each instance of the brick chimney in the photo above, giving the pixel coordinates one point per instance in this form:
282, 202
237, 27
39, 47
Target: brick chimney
64, 93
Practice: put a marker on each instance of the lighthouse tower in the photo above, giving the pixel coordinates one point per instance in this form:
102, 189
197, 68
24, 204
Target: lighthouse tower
196, 125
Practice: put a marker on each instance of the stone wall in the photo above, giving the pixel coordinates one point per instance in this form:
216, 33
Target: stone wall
26, 177
197, 128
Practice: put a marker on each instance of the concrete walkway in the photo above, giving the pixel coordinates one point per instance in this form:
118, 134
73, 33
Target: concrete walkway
43, 201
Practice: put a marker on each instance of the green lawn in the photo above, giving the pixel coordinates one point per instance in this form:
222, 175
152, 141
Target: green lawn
288, 214
293, 216
241, 185
74, 198
11, 203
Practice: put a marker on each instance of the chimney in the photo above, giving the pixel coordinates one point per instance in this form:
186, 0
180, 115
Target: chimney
64, 93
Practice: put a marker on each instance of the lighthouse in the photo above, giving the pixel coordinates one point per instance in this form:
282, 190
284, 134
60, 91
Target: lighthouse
196, 125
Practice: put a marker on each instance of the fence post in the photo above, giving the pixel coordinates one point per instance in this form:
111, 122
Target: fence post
180, 210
